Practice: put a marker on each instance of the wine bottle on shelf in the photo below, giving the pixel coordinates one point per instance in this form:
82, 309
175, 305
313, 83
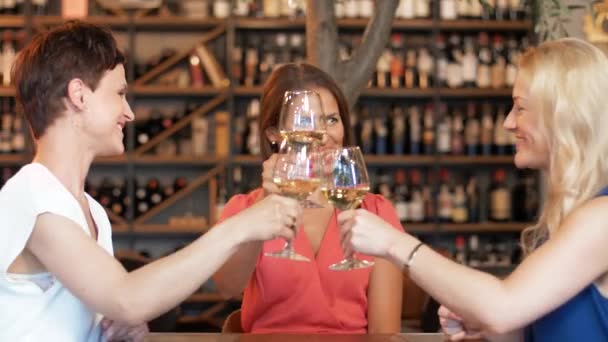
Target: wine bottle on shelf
339, 10
485, 61
444, 128
154, 192
472, 130
488, 10
141, 205
416, 207
117, 198
500, 197
251, 66
383, 68
402, 196
18, 142
445, 197
460, 212
442, 61
179, 183
367, 131
487, 129
473, 195
200, 135
221, 9
398, 130
410, 76
448, 9
415, 130
502, 9
516, 10
475, 9
242, 7
6, 128
8, 56
381, 134
460, 254
499, 65
513, 55
469, 63
457, 143
351, 8
474, 258
384, 187
396, 61
406, 9
501, 136
428, 135
196, 72
425, 68
454, 67
253, 133
423, 8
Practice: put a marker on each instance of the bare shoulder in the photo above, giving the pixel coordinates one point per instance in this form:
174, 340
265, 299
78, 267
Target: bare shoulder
590, 218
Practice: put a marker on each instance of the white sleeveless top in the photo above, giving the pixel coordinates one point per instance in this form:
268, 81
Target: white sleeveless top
38, 307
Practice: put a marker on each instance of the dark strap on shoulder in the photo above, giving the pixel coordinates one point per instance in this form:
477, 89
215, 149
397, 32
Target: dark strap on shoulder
603, 192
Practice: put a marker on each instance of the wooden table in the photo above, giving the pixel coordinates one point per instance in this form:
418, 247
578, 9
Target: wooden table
216, 337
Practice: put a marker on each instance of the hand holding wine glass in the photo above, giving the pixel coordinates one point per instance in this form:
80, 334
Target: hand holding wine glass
345, 183
297, 175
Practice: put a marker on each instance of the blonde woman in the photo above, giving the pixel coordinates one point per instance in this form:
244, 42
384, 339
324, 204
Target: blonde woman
560, 290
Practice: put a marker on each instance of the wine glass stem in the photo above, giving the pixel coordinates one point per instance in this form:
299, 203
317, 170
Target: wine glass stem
288, 245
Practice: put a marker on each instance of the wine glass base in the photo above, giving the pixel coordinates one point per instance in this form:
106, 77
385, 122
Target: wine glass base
287, 254
351, 264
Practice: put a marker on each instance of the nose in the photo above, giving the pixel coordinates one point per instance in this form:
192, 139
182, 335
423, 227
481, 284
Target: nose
128, 113
510, 123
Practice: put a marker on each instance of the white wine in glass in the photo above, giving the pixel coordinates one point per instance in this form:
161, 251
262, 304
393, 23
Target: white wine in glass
297, 174
345, 184
302, 118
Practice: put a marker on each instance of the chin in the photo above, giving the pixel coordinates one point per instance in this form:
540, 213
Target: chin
524, 160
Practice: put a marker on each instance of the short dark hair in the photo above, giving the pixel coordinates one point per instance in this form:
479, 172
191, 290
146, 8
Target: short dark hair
43, 69
297, 76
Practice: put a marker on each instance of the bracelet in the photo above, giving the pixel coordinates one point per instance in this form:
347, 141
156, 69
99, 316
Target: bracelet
410, 259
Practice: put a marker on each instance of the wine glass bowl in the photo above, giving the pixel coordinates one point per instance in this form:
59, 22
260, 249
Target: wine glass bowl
302, 118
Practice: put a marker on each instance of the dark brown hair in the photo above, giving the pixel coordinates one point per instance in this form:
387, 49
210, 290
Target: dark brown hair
297, 76
43, 69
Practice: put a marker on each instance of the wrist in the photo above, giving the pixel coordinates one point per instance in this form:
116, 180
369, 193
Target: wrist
236, 234
401, 249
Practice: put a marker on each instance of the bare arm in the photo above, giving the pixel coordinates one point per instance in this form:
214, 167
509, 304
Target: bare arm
384, 297
499, 306
97, 279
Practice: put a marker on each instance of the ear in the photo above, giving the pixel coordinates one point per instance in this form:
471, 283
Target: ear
273, 135
76, 94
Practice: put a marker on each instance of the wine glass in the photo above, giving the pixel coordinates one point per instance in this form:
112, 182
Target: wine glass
302, 118
297, 174
345, 183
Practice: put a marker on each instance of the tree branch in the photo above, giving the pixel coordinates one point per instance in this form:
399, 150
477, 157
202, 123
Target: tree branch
355, 73
322, 35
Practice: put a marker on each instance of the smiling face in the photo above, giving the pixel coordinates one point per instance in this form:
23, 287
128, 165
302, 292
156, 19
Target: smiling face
525, 122
333, 120
107, 113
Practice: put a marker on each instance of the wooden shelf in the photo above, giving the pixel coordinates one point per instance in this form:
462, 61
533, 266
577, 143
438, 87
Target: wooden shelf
245, 159
403, 92
269, 23
151, 90
398, 92
120, 228
167, 229
248, 91
176, 22
486, 25
398, 24
107, 20
479, 160
474, 92
117, 160
403, 160
7, 91
14, 159
484, 227
419, 228
177, 160
12, 21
